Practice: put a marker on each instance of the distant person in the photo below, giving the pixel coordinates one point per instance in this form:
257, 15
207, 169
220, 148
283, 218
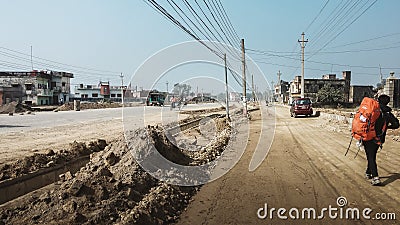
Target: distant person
371, 147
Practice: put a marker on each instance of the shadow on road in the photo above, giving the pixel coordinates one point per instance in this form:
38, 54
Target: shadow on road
11, 126
391, 178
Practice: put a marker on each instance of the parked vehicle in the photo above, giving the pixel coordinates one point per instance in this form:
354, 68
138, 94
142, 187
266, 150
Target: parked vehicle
301, 106
155, 98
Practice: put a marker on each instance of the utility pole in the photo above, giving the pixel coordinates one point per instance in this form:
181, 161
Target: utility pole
244, 80
303, 45
279, 82
272, 91
167, 87
31, 58
226, 89
122, 89
252, 88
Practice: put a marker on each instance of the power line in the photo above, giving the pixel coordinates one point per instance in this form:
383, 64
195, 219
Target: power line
229, 21
330, 26
50, 66
319, 13
59, 63
344, 28
370, 39
187, 24
225, 24
165, 13
197, 17
217, 22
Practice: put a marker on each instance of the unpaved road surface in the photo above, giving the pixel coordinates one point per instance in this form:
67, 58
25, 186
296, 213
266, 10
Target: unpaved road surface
305, 168
24, 135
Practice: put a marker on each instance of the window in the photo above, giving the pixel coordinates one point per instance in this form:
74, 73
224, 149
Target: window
112, 95
95, 95
28, 87
119, 95
303, 102
63, 84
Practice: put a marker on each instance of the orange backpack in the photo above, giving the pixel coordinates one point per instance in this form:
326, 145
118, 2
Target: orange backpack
363, 126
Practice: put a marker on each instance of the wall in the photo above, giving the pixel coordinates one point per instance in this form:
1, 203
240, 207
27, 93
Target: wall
392, 88
358, 92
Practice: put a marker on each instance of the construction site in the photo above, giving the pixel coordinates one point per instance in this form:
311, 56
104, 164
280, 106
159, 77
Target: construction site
210, 112
93, 177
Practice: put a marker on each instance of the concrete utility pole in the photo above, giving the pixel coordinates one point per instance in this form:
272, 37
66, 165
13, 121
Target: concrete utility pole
226, 89
252, 88
272, 91
244, 80
167, 86
279, 82
31, 58
122, 88
303, 45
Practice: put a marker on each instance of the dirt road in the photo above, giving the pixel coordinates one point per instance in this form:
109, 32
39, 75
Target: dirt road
305, 168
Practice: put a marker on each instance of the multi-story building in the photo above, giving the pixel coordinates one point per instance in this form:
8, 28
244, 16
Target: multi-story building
35, 87
101, 91
312, 86
281, 92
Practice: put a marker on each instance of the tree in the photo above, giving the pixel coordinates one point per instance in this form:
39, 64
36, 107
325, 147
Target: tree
182, 90
329, 94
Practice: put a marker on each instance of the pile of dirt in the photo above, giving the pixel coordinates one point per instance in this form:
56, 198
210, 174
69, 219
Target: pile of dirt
344, 126
38, 161
341, 112
89, 105
14, 107
113, 189
203, 111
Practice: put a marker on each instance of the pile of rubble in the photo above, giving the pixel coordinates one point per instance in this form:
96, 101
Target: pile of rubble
89, 105
203, 111
113, 187
14, 107
39, 161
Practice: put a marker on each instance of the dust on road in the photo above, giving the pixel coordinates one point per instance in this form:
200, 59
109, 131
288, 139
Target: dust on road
306, 167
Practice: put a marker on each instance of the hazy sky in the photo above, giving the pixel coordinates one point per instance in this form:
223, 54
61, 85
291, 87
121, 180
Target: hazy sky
111, 37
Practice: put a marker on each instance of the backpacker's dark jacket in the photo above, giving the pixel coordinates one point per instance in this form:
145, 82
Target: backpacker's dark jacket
391, 122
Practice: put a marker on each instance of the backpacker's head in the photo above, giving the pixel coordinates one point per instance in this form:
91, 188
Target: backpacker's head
384, 99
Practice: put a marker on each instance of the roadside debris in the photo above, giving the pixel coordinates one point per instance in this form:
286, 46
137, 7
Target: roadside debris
112, 188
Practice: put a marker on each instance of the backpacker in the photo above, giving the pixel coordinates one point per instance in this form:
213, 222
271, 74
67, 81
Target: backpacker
363, 126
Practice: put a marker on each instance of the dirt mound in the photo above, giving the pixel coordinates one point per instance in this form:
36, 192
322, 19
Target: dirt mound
49, 159
14, 107
203, 111
113, 189
89, 105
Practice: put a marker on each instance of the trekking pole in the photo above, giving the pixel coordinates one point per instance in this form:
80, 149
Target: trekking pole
349, 146
357, 151
359, 144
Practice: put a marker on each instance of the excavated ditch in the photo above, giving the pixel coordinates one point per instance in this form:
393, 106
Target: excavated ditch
112, 188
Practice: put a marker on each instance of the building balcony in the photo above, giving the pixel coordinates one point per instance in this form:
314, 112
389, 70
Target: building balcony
44, 92
57, 89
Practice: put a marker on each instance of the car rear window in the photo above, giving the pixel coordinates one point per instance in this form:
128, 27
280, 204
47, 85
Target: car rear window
303, 102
